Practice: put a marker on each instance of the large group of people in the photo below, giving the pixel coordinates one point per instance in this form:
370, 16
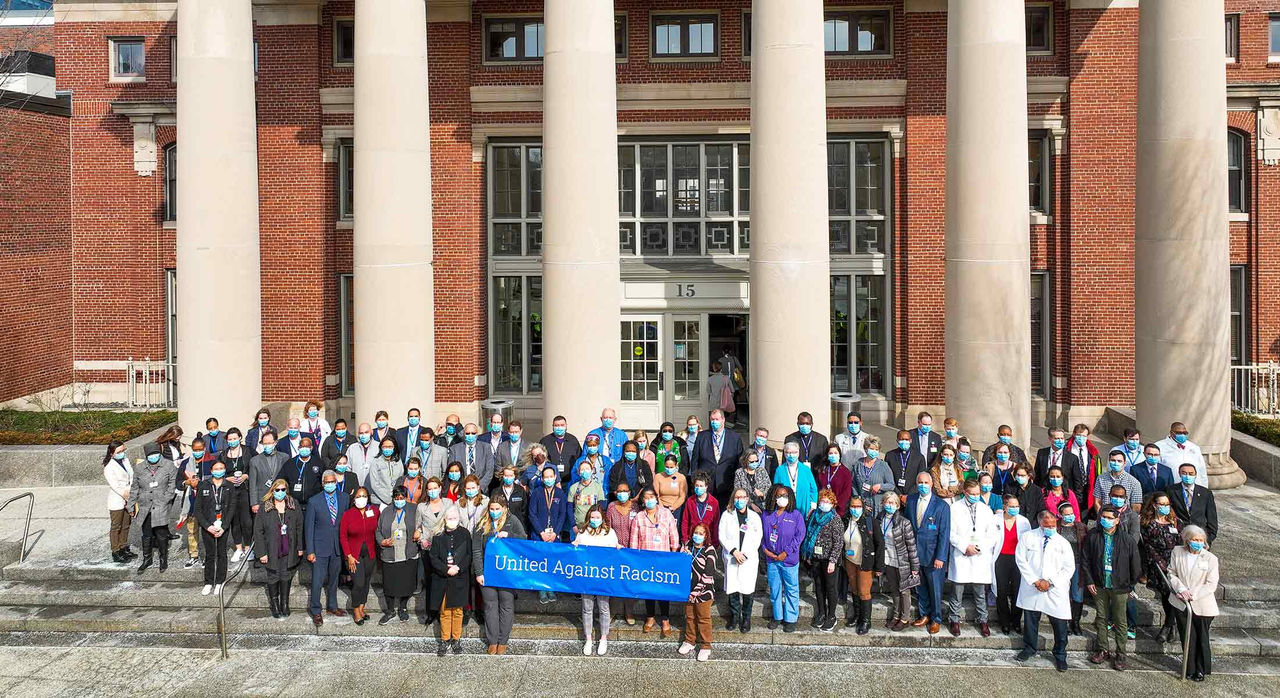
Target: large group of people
927, 518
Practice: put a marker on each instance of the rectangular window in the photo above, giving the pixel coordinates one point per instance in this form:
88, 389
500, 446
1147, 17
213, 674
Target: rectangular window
513, 39
1232, 36
1239, 315
620, 36
346, 334
533, 181
1039, 29
839, 177
1038, 172
685, 36
1039, 329
516, 342
744, 177
653, 180
171, 183
128, 60
1274, 33
840, 346
627, 181
869, 354
857, 32
687, 175
719, 179
746, 33
344, 41
870, 178
173, 60
857, 195
346, 178
506, 182
1237, 173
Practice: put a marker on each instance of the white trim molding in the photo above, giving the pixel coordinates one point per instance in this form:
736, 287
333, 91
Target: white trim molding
329, 137
115, 12
1102, 4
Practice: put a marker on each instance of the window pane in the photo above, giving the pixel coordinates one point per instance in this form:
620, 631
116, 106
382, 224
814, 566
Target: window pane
688, 376
1275, 34
506, 239
839, 237
346, 157
1230, 33
535, 334
838, 178
720, 179
1236, 189
502, 40
639, 359
344, 41
171, 183
744, 236
1038, 28
870, 178
347, 291
620, 36
653, 238
839, 333
130, 58
1035, 174
626, 180
533, 238
533, 40
836, 35
873, 32
627, 238
1037, 333
869, 237
1239, 347
685, 172
667, 38
508, 321
686, 240
653, 180
533, 180
506, 182
720, 238
744, 177
869, 334
702, 38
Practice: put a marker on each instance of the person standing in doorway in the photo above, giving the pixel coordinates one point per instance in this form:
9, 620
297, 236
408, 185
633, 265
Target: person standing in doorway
720, 393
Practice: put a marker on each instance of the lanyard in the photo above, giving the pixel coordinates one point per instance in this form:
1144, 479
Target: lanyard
550, 496
399, 516
1003, 475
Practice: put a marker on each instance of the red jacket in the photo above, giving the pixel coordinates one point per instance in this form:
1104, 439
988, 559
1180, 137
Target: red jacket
709, 518
836, 478
359, 533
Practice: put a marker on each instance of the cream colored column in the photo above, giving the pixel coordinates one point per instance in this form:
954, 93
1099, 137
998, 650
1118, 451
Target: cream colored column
219, 306
790, 268
1183, 246
988, 330
581, 296
394, 299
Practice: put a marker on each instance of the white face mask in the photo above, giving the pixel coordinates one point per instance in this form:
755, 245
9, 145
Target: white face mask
450, 524
361, 502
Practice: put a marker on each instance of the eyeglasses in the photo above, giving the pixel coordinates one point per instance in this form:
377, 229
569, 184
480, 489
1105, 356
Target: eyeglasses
280, 490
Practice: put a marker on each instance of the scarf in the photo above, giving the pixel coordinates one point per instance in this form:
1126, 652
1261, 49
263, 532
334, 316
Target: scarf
816, 521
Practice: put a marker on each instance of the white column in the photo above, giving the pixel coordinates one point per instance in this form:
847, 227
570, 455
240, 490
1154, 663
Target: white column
393, 295
219, 307
988, 271
1183, 245
790, 267
581, 296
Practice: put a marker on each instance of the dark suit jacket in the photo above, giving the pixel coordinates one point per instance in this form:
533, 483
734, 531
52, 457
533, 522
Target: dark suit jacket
1164, 478
904, 479
207, 504
817, 451
935, 443
322, 536
933, 534
1071, 472
329, 451
1203, 512
310, 477
405, 445
721, 470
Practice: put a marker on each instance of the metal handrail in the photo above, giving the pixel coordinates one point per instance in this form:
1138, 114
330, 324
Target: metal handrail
1186, 638
222, 601
26, 530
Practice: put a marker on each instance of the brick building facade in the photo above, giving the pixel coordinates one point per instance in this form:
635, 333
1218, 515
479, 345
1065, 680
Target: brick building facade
685, 281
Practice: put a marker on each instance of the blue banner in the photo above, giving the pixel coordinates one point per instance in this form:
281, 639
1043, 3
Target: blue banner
515, 563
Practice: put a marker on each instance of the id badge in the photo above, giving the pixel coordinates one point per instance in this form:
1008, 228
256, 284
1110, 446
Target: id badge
560, 467
1203, 564
1106, 567
773, 538
817, 550
866, 487
154, 484
297, 487
284, 528
657, 539
742, 528
902, 482
632, 516
398, 534
368, 513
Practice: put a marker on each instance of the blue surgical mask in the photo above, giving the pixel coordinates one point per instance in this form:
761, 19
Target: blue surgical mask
1048, 532
792, 458
495, 514
450, 429
1180, 438
1153, 460
585, 476
424, 445
904, 444
549, 482
1163, 509
1013, 511
890, 509
508, 480
1055, 481
1133, 444
947, 460
233, 443
340, 433
951, 433
607, 423
985, 487
641, 444
1021, 480
340, 467
558, 431
1081, 439
414, 421
963, 456
279, 495
495, 428
699, 490
1188, 480
119, 456
1059, 443
1006, 440
214, 432
873, 453
716, 424
973, 498
454, 475
670, 468
1107, 523
472, 492
263, 422
330, 487
1118, 502
197, 454
761, 441
1195, 545
304, 451
1115, 465
854, 427
364, 438
805, 428
293, 433
697, 538
469, 439
922, 488
1002, 457
218, 474
595, 523
824, 507
855, 512
411, 474
592, 450
155, 458
650, 504
693, 428
668, 435
381, 424
513, 436
629, 456
1069, 519
398, 503
833, 458
433, 493
268, 448
740, 504
623, 497
388, 451
926, 428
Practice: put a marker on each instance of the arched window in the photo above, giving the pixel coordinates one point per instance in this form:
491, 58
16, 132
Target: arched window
1237, 172
171, 182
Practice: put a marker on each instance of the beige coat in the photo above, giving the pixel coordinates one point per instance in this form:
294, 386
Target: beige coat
1197, 574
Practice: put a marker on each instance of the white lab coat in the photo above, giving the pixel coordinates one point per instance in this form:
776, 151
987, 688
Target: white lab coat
740, 579
119, 480
981, 530
852, 447
1053, 561
1173, 457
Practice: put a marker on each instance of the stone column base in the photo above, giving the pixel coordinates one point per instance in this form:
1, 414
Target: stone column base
1224, 473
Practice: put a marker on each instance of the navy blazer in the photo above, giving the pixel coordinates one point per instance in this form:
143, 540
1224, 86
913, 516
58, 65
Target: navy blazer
557, 517
935, 445
1164, 478
322, 533
933, 535
404, 447
721, 471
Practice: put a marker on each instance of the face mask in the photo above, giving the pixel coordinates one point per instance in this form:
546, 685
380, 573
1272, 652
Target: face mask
293, 433
363, 438
592, 450
381, 424
740, 504
699, 490
387, 451
1117, 502
495, 514
214, 432
716, 424
1048, 532
154, 458
469, 438
195, 454
782, 502
1180, 438
268, 448
697, 538
1021, 480
947, 460
1059, 443
1006, 440
855, 512
761, 441
1081, 439
1196, 546
751, 466
119, 456
549, 481
904, 444
890, 509
873, 453
411, 474
805, 428
218, 474
624, 496
793, 458
279, 495
1153, 460
1188, 480
450, 429
607, 423
455, 476
1055, 481
585, 476
513, 436
973, 498
923, 489
693, 428
833, 458
433, 494
594, 523
1115, 465
1013, 511
424, 445
1069, 519
451, 524
642, 444
330, 487
926, 428
362, 502
340, 433
985, 487
951, 433
667, 435
1133, 444
232, 443
1162, 509
414, 421
1107, 523
854, 428
558, 431
495, 428
650, 504
671, 469
472, 492
824, 507
263, 422
1002, 457
963, 456
304, 452
399, 503
341, 468
508, 480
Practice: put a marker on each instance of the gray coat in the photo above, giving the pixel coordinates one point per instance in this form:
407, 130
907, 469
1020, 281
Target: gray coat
484, 464
263, 470
387, 519
383, 473
156, 493
433, 462
881, 475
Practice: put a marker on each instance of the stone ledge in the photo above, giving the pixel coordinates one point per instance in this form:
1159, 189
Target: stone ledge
1257, 458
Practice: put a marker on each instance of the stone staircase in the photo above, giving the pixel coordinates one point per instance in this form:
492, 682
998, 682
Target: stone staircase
104, 598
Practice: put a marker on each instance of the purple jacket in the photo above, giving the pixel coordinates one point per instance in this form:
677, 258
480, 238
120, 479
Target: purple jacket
783, 533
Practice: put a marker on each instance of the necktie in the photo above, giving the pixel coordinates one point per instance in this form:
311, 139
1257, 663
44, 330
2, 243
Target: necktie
718, 442
1044, 545
333, 508
920, 506
471, 458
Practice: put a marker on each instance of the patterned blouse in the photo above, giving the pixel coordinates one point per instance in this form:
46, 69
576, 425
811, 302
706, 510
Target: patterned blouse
1158, 541
706, 562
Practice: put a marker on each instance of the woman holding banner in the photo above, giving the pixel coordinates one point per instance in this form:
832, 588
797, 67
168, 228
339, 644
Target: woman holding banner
549, 515
622, 511
783, 532
740, 537
595, 532
654, 528
697, 610
500, 522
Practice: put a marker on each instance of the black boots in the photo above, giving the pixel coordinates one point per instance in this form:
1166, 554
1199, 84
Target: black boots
745, 625
128, 554
735, 612
273, 599
164, 556
1073, 628
864, 617
117, 556
146, 557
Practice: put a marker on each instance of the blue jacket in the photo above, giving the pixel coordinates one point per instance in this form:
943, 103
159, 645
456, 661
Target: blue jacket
806, 487
541, 518
1164, 478
933, 535
617, 438
321, 534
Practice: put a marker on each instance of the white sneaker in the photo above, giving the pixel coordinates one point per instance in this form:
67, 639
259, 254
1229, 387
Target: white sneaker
704, 655
586, 647
217, 589
205, 591
604, 646
235, 557
685, 648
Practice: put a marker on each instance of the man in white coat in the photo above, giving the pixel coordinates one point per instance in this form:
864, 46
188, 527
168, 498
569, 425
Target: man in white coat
741, 533
1046, 563
974, 539
1178, 448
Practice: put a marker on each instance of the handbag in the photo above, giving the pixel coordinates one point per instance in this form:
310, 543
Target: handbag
738, 381
726, 399
911, 581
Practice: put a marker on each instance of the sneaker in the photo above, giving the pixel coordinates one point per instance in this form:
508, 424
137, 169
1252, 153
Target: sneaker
457, 647
442, 648
604, 646
773, 625
217, 589
191, 562
1060, 665
685, 648
235, 557
704, 655
1131, 634
1024, 655
387, 618
206, 590
586, 648
788, 627
830, 624
404, 616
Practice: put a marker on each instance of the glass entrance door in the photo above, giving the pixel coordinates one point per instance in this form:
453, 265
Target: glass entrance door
641, 356
687, 366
